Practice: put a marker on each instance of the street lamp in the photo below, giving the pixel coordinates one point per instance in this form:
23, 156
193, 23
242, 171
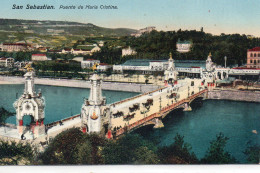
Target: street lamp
160, 99
225, 58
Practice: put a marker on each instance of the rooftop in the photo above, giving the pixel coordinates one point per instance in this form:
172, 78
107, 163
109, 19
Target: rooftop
254, 49
38, 55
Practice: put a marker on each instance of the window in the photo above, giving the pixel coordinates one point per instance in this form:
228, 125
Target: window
251, 61
255, 55
258, 54
251, 55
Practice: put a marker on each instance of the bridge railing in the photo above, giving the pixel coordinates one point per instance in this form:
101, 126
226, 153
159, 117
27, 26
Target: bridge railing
63, 120
140, 95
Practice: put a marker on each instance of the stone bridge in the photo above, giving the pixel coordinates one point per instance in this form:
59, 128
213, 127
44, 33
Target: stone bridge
155, 118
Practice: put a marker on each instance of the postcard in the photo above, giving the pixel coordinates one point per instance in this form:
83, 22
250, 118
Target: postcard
126, 83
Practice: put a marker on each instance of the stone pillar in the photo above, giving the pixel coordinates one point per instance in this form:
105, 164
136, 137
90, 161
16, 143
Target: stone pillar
158, 123
187, 107
92, 111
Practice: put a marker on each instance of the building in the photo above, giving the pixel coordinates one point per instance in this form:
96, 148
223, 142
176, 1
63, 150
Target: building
128, 51
39, 57
144, 30
183, 46
142, 66
78, 59
171, 73
13, 47
89, 63
84, 51
253, 58
103, 67
6, 62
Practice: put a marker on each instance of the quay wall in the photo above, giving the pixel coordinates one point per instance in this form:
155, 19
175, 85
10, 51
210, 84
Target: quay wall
236, 95
128, 87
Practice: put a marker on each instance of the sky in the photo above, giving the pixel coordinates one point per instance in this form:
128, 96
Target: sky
215, 16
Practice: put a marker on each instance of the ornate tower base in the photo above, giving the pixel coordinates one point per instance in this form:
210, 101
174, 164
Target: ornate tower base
30, 104
94, 113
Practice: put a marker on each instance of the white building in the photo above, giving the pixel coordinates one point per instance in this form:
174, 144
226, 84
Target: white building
39, 57
128, 51
89, 63
78, 59
171, 73
144, 30
6, 62
145, 66
103, 67
183, 46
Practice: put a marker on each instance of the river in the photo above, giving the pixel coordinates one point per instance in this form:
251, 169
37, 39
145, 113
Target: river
200, 126
234, 119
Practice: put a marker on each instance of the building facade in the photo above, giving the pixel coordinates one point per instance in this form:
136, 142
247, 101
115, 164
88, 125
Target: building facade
13, 47
6, 62
89, 63
183, 46
253, 58
128, 51
39, 57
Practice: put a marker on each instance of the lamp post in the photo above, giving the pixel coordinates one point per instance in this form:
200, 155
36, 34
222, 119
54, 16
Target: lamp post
160, 99
225, 58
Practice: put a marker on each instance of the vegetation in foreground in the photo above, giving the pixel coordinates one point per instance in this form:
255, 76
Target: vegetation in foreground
72, 147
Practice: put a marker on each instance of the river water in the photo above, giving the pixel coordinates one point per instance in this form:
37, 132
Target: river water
61, 102
200, 126
235, 120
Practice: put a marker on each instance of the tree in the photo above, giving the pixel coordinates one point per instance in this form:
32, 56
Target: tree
177, 153
64, 148
253, 154
74, 147
130, 149
12, 153
216, 153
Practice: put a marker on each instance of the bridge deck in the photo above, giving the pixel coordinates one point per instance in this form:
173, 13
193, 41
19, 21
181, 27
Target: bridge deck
161, 102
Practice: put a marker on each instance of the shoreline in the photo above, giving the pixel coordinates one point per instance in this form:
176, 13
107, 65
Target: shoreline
215, 94
114, 86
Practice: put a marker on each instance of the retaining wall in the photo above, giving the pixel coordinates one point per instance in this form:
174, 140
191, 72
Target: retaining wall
237, 95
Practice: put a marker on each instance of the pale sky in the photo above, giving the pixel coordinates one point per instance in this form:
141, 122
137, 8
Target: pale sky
215, 16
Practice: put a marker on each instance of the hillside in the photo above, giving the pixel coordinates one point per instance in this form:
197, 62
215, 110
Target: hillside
53, 33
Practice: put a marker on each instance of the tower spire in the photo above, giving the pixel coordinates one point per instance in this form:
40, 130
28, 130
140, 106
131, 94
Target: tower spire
170, 55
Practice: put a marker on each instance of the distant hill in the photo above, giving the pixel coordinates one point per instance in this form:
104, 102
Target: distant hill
60, 28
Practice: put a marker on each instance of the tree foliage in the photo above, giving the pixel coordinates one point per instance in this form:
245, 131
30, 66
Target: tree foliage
216, 153
12, 153
253, 154
177, 153
73, 147
130, 149
64, 148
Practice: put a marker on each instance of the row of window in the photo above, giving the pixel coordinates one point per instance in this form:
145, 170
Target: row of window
254, 61
254, 55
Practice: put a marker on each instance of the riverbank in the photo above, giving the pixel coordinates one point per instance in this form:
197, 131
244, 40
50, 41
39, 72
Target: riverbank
235, 95
114, 86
